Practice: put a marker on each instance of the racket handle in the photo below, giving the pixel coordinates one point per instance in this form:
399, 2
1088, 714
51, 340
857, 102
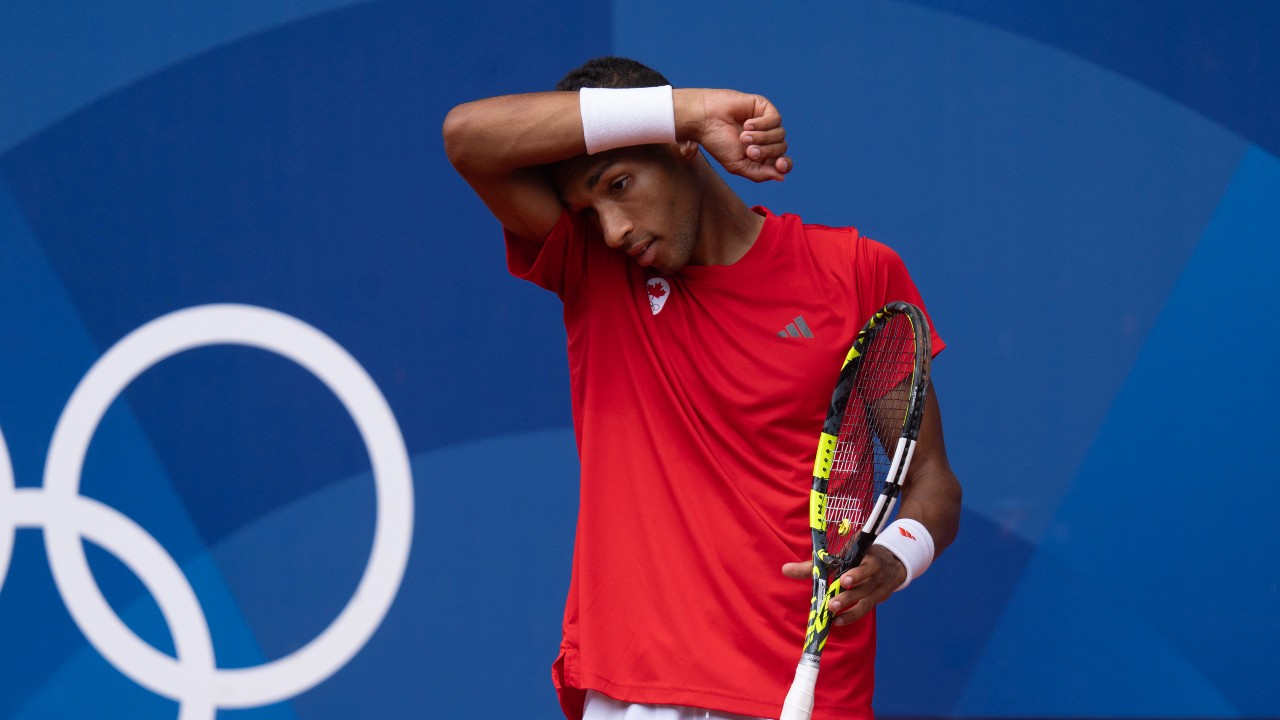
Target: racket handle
799, 702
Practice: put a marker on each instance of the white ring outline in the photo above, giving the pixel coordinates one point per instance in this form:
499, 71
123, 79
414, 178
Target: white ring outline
8, 522
107, 528
193, 678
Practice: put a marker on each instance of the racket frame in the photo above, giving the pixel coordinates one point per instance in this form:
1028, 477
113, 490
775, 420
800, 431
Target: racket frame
828, 568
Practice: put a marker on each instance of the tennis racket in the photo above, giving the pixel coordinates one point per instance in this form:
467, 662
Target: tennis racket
863, 454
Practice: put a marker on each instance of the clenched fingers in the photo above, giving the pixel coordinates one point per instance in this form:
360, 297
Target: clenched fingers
767, 147
867, 585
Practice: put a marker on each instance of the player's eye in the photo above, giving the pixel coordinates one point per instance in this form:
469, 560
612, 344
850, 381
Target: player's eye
619, 185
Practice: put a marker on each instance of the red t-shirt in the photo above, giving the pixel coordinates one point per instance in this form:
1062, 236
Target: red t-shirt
697, 403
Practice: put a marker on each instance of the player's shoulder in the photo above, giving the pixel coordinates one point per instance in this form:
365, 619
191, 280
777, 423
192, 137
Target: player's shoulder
844, 246
831, 233
791, 223
849, 237
844, 240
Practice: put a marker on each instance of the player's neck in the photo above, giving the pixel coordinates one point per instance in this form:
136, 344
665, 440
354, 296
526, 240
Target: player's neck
727, 226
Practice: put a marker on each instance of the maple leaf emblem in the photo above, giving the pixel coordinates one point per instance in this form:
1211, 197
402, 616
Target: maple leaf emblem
658, 291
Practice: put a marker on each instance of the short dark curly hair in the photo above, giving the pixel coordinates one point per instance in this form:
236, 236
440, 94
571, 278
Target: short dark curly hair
611, 72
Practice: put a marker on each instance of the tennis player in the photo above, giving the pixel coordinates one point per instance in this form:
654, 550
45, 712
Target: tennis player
703, 338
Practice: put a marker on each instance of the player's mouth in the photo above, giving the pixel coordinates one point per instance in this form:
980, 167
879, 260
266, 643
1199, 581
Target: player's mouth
644, 253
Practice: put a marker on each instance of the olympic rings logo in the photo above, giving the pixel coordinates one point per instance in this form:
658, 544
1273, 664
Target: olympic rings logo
193, 678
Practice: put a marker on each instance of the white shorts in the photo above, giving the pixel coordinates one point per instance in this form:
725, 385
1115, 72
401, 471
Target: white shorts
602, 707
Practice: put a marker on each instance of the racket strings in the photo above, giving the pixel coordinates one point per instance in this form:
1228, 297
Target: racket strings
869, 431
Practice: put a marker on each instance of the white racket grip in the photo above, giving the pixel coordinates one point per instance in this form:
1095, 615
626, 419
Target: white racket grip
799, 702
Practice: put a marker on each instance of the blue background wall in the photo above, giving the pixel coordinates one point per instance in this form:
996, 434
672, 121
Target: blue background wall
1110, 173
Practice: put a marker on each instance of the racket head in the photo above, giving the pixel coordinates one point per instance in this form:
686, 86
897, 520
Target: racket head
863, 454
874, 418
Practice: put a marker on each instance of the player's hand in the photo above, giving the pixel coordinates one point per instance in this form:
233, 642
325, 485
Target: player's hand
742, 132
864, 587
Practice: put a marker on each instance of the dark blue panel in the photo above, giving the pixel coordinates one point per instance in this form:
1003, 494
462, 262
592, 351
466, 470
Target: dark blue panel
58, 57
1217, 57
476, 624
1185, 455
302, 170
29, 592
1068, 646
917, 630
1156, 593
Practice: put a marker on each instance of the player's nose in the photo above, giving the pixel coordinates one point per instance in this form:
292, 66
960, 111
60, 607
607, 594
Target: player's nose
615, 229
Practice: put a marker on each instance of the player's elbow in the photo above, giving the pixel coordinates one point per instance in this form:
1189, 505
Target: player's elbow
460, 137
954, 488
949, 492
950, 498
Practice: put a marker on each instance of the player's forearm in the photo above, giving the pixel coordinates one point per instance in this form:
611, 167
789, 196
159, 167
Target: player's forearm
689, 105
933, 497
500, 135
932, 493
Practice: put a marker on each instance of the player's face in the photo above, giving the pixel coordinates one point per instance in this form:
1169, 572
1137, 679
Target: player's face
645, 201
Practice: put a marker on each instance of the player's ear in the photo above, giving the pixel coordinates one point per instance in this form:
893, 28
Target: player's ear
688, 149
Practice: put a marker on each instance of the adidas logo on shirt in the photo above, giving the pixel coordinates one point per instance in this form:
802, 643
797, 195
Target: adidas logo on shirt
796, 328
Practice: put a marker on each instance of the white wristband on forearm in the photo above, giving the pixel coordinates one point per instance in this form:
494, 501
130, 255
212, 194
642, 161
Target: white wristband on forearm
911, 543
614, 118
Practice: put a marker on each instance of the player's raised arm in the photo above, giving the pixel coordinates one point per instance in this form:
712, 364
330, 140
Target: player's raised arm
503, 145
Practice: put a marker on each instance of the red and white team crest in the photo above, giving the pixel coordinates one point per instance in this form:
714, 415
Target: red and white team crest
659, 290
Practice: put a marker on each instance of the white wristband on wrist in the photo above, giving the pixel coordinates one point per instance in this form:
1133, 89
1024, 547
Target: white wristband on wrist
614, 118
911, 543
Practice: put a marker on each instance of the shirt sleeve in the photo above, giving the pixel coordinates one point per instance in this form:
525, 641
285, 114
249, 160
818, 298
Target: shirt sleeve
554, 264
883, 278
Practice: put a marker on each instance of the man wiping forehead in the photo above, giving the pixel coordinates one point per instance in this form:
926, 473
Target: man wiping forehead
695, 415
